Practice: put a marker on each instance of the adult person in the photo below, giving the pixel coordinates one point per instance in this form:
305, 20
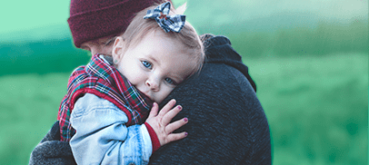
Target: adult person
227, 124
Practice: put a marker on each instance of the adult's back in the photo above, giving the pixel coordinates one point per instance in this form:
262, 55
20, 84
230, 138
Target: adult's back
227, 124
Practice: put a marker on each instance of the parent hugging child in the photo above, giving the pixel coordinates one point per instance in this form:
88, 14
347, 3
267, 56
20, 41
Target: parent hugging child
138, 61
108, 101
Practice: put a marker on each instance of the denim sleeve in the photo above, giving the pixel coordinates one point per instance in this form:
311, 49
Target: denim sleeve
102, 136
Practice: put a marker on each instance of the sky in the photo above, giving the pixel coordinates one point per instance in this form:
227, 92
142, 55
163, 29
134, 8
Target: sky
23, 15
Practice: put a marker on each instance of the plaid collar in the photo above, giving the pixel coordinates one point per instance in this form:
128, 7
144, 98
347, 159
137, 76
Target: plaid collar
100, 78
102, 66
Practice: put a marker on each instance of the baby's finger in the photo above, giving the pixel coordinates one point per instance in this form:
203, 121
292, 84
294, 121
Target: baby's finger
154, 110
176, 136
175, 125
169, 116
167, 107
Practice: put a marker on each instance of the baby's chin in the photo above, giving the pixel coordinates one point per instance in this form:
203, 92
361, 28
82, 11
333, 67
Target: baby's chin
152, 98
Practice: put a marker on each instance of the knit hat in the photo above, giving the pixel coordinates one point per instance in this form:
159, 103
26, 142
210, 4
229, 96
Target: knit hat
94, 19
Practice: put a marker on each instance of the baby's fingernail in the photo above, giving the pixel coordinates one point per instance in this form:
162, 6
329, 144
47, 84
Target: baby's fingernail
186, 133
179, 107
185, 119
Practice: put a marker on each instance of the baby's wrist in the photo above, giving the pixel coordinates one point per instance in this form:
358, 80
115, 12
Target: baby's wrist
154, 137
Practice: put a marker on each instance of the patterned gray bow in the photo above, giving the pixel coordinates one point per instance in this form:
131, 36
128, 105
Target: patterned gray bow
167, 22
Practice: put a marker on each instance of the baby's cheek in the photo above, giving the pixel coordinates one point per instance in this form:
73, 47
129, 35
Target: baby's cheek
168, 91
163, 94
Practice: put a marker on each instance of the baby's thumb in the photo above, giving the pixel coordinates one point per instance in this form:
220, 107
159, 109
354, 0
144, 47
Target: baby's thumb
154, 110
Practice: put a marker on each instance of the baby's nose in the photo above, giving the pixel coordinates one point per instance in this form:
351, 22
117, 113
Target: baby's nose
152, 85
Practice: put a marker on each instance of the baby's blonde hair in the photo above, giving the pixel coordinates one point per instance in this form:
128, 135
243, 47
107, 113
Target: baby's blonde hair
139, 27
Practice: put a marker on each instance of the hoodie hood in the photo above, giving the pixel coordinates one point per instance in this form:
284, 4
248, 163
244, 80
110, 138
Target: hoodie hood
218, 49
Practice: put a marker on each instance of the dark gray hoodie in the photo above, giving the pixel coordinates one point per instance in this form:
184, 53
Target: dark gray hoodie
227, 124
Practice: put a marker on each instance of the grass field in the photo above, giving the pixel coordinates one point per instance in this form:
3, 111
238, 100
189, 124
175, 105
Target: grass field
317, 108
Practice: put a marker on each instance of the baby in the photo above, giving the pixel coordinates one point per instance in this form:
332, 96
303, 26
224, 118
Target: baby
108, 101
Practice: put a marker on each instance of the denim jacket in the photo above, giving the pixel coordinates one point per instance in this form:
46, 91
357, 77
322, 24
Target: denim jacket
102, 136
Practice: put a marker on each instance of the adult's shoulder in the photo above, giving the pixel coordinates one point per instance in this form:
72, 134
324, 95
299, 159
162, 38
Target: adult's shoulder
227, 124
219, 82
219, 50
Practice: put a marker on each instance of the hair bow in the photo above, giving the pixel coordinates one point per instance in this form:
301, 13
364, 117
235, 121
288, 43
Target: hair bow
167, 22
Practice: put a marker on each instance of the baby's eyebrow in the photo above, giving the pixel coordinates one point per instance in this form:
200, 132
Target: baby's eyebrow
154, 59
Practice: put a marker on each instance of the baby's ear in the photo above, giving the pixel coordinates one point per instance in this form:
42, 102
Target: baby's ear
118, 49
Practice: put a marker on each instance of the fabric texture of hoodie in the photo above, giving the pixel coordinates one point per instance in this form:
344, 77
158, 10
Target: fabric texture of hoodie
227, 124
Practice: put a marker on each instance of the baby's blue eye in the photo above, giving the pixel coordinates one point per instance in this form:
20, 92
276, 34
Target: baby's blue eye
170, 81
146, 64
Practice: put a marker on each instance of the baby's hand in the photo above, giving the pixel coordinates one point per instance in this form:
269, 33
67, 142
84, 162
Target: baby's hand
160, 122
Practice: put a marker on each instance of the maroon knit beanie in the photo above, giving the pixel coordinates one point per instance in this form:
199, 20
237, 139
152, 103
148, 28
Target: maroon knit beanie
94, 19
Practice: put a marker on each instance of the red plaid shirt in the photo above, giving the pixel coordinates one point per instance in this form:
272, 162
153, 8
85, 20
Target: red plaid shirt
100, 78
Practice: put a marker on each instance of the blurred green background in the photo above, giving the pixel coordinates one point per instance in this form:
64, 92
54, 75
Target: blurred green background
309, 59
